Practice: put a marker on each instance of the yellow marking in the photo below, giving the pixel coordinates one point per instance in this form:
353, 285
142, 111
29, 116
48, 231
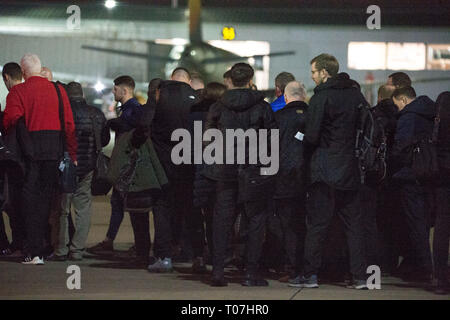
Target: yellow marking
228, 33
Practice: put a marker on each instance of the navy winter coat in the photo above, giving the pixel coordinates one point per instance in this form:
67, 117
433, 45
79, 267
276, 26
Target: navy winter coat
414, 121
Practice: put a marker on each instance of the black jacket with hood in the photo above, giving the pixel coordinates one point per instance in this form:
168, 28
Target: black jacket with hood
415, 121
237, 109
331, 133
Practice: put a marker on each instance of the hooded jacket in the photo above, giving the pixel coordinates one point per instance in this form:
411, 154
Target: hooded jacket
237, 109
331, 133
414, 121
278, 103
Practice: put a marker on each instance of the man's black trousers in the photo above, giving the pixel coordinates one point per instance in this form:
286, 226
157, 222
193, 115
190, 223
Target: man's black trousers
224, 214
417, 219
322, 203
291, 214
441, 232
39, 187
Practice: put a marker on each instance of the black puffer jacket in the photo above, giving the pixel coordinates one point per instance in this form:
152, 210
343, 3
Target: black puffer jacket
172, 112
87, 118
290, 178
238, 109
331, 133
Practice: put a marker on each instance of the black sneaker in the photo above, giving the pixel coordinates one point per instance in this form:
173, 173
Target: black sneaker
219, 282
55, 257
358, 285
198, 266
101, 247
254, 281
303, 282
442, 287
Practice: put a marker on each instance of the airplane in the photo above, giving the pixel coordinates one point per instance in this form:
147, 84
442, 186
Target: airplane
208, 61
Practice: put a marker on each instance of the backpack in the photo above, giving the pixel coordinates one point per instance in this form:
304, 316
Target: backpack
370, 146
424, 155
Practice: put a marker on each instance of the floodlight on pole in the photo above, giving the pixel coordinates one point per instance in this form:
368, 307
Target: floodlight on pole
110, 4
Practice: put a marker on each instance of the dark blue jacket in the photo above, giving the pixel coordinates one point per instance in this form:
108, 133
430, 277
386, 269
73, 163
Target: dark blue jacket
278, 103
414, 121
131, 114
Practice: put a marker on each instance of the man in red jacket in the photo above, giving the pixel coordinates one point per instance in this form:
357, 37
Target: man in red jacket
36, 100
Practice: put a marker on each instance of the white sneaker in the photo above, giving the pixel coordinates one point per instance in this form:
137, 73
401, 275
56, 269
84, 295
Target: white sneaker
36, 260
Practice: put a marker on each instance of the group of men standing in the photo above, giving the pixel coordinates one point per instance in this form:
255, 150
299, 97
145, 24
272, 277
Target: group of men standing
318, 175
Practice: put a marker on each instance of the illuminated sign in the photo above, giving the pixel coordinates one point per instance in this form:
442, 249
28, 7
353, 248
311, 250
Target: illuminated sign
228, 33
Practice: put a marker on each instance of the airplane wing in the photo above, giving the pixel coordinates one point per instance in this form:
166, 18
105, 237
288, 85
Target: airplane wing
239, 58
128, 53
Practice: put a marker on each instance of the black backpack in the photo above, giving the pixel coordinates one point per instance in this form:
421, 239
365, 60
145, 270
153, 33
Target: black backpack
370, 146
424, 155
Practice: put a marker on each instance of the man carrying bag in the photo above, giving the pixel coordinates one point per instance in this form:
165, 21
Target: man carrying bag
89, 124
37, 101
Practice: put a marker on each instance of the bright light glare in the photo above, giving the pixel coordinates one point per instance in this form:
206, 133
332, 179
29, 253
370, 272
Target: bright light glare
110, 4
99, 86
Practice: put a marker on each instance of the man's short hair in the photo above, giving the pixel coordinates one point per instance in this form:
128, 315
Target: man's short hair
241, 74
183, 72
385, 91
74, 90
400, 79
13, 70
327, 62
31, 64
408, 92
282, 79
125, 81
154, 84
295, 90
227, 74
214, 91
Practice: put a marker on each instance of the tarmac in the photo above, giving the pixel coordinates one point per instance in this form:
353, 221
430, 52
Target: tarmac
112, 277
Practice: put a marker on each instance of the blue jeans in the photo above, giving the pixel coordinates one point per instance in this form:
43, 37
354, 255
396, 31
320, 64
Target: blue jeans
116, 215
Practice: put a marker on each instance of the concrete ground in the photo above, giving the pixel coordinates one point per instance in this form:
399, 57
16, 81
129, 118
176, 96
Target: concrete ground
110, 277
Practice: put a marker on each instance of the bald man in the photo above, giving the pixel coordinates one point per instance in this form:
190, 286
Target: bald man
182, 75
289, 190
172, 112
294, 91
